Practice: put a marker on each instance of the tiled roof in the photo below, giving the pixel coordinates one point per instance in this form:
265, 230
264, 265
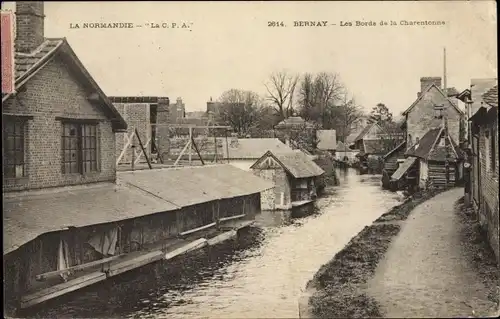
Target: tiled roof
26, 65
428, 147
299, 164
296, 162
491, 96
25, 62
187, 186
27, 216
252, 148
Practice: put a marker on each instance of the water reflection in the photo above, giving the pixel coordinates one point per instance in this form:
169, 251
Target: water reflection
259, 276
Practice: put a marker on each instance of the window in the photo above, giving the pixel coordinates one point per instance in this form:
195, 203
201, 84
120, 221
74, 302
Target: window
79, 148
13, 150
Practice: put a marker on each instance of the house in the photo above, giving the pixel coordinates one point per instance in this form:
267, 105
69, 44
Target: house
344, 153
484, 131
243, 152
296, 131
433, 153
426, 117
426, 111
59, 128
372, 142
294, 176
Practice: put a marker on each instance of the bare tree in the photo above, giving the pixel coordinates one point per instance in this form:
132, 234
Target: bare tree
239, 109
281, 90
348, 113
319, 96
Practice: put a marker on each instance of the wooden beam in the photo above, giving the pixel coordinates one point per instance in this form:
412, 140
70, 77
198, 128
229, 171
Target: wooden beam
182, 152
197, 151
199, 243
125, 147
190, 125
222, 237
223, 219
143, 149
52, 274
134, 263
187, 232
140, 153
61, 289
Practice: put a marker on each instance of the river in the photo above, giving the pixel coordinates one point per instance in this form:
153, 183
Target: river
262, 279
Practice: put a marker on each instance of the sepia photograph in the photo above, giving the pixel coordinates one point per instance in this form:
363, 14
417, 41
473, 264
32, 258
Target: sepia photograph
250, 159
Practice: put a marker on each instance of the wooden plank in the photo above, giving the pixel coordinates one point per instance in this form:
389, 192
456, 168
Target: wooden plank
61, 289
237, 225
199, 243
56, 273
134, 263
187, 232
182, 153
222, 237
197, 151
223, 219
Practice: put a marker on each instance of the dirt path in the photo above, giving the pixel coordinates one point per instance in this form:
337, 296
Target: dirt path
425, 272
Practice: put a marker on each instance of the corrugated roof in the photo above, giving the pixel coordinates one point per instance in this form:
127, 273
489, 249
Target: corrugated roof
187, 186
491, 96
252, 148
28, 215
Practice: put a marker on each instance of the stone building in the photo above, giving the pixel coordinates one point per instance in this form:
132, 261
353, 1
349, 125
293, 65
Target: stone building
294, 176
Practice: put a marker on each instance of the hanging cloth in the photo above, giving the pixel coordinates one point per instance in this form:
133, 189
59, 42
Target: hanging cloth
63, 258
105, 242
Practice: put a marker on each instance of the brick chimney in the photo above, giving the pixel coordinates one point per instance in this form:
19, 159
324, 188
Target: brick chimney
29, 25
162, 129
425, 82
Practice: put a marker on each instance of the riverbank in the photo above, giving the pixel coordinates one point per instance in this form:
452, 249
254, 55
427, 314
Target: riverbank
338, 289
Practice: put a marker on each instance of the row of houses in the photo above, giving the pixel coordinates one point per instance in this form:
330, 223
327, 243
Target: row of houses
446, 145
70, 218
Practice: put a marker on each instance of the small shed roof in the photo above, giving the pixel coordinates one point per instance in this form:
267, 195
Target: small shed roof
187, 186
403, 168
297, 163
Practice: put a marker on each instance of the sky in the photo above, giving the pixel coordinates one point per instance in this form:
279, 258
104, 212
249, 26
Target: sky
230, 45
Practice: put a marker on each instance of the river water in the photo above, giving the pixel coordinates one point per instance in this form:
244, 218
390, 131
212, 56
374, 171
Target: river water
263, 278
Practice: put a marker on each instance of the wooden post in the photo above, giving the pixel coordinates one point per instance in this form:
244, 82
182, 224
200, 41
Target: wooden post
197, 151
143, 149
132, 162
190, 151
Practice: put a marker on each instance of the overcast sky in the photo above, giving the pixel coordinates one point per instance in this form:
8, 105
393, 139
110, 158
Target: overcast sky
231, 46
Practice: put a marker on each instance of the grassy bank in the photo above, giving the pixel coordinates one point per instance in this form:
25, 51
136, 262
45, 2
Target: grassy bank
339, 285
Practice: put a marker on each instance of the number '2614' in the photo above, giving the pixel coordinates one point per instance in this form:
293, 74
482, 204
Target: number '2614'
275, 24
